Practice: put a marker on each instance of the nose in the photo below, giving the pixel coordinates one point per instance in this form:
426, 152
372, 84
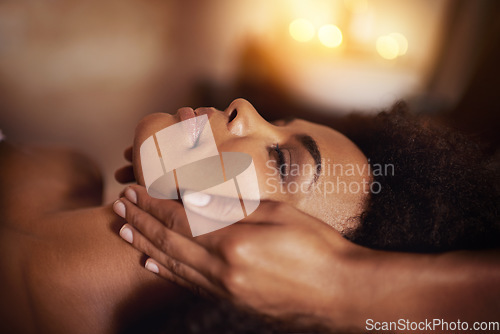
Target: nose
244, 120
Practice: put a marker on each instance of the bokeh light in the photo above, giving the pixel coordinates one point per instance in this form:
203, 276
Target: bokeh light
387, 47
402, 42
330, 35
356, 5
301, 30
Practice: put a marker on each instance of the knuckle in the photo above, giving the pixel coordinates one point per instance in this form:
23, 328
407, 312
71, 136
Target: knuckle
144, 201
236, 250
160, 239
234, 281
230, 246
177, 215
175, 267
135, 216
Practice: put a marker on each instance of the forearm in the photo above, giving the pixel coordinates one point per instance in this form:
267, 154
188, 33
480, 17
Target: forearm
386, 287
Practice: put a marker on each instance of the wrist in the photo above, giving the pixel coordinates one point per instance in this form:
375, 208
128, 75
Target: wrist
345, 305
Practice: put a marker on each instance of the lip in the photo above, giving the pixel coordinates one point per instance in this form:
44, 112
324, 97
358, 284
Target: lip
204, 111
193, 124
186, 113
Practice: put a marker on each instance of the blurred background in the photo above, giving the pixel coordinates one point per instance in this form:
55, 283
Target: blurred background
82, 73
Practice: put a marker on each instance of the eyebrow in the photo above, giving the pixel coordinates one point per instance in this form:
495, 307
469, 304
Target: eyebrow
312, 147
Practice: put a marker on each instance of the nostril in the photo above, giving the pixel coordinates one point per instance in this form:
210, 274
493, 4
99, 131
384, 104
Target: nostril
232, 115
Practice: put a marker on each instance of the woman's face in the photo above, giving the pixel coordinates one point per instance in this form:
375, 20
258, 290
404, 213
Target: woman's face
311, 166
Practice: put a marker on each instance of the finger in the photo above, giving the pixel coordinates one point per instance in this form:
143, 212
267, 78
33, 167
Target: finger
168, 242
128, 154
268, 213
162, 209
173, 215
173, 270
125, 174
218, 208
198, 288
170, 213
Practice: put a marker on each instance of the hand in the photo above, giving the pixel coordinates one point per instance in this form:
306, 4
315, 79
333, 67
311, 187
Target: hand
278, 261
283, 263
125, 174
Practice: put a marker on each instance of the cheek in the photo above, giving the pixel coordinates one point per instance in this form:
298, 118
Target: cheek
148, 126
267, 174
340, 208
151, 124
270, 185
232, 144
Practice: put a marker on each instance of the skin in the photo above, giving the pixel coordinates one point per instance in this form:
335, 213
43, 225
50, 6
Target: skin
65, 269
288, 265
282, 263
248, 132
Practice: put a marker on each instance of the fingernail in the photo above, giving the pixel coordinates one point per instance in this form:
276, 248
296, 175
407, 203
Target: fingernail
152, 267
197, 199
131, 195
119, 208
126, 234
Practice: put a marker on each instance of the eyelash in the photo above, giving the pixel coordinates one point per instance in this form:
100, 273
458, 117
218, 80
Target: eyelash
281, 161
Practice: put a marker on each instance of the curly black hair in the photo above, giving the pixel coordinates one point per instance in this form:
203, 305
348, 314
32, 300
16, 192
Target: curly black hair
442, 193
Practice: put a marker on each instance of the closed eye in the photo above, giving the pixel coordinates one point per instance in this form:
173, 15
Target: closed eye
281, 162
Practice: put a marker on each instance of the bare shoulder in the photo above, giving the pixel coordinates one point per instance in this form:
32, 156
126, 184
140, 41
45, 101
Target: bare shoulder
67, 269
72, 273
37, 180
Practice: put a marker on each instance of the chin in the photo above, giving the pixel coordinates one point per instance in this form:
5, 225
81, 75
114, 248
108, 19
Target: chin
152, 124
148, 126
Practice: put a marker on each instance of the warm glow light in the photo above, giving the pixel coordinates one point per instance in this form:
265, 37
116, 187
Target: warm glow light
356, 5
330, 35
301, 30
387, 47
402, 42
